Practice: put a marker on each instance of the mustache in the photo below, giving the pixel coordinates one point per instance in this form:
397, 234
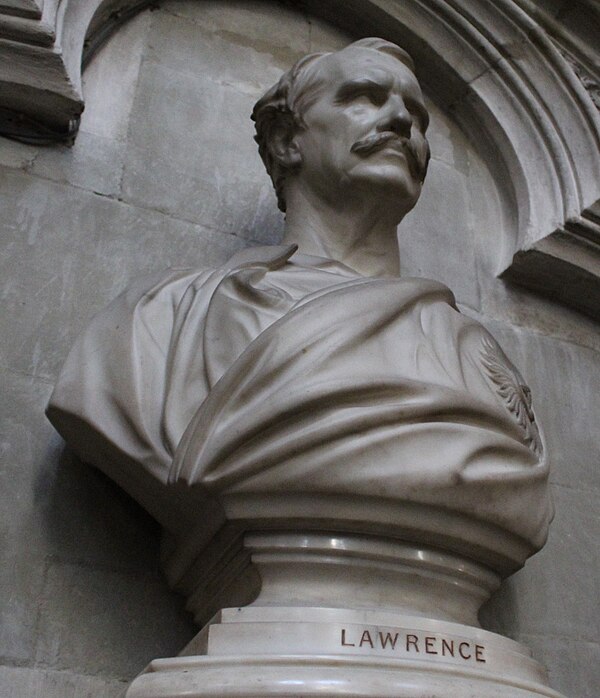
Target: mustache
376, 141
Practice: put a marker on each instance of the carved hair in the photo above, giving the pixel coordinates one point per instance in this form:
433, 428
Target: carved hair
281, 107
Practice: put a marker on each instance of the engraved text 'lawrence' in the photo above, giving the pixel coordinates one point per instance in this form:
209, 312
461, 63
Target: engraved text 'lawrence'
413, 644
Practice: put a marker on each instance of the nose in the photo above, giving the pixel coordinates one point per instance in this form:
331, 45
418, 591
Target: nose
396, 117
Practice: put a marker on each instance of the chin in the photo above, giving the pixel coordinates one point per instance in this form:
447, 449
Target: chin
401, 191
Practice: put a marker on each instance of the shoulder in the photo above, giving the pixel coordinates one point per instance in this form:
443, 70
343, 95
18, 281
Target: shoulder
170, 283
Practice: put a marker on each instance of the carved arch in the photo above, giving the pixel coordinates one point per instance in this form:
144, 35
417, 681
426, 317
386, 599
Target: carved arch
492, 65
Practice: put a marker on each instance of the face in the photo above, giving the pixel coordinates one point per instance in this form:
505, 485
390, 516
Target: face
364, 132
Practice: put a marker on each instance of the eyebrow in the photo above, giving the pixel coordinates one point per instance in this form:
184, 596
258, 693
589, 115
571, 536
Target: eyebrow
352, 87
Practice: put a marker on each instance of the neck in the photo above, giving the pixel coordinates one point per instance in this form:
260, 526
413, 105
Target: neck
360, 234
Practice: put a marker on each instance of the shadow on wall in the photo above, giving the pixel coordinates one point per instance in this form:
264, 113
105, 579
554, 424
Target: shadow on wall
105, 607
503, 604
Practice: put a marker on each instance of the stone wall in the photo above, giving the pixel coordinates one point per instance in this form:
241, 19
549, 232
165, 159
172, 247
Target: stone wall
165, 172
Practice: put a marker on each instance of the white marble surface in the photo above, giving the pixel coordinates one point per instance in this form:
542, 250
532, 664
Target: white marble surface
283, 651
310, 370
351, 615
71, 240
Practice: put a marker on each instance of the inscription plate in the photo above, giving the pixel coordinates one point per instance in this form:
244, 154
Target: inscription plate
426, 641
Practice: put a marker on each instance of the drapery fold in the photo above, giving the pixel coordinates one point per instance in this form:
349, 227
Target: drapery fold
282, 372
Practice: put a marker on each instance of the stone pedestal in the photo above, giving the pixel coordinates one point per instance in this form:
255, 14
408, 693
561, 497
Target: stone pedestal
342, 614
287, 651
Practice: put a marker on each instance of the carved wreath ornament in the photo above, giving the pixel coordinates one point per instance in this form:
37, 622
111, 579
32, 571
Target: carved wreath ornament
513, 391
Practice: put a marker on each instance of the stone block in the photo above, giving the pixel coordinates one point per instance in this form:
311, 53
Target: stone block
93, 162
573, 665
503, 301
39, 683
21, 582
563, 377
87, 519
264, 27
225, 56
326, 37
15, 154
110, 80
28, 448
27, 445
199, 163
556, 594
446, 141
66, 253
55, 510
110, 624
438, 225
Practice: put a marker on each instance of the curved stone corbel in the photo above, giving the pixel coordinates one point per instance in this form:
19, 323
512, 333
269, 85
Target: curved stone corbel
491, 65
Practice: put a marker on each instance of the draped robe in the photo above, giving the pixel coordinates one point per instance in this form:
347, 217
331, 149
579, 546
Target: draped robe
281, 372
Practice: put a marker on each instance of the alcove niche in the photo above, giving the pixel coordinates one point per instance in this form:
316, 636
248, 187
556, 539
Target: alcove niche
163, 170
491, 66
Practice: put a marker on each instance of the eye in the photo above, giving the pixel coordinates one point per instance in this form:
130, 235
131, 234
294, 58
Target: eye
418, 112
362, 91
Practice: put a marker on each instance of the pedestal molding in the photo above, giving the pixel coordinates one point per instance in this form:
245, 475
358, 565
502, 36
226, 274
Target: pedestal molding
316, 651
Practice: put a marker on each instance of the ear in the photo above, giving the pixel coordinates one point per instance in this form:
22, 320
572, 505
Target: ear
283, 144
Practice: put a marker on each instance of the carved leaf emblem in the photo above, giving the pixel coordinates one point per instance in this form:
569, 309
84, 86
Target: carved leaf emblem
513, 391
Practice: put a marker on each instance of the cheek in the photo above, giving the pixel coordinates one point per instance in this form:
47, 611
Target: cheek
332, 153
421, 146
326, 147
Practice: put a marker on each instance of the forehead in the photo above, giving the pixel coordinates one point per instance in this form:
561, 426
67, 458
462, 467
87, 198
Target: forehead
362, 63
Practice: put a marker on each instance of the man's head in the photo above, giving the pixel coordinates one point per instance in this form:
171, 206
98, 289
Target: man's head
351, 118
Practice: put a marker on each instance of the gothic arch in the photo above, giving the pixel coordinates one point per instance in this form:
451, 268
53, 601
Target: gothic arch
492, 65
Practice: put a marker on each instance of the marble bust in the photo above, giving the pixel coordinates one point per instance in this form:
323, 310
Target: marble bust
311, 367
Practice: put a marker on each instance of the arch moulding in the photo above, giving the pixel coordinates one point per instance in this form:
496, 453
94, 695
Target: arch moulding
521, 85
